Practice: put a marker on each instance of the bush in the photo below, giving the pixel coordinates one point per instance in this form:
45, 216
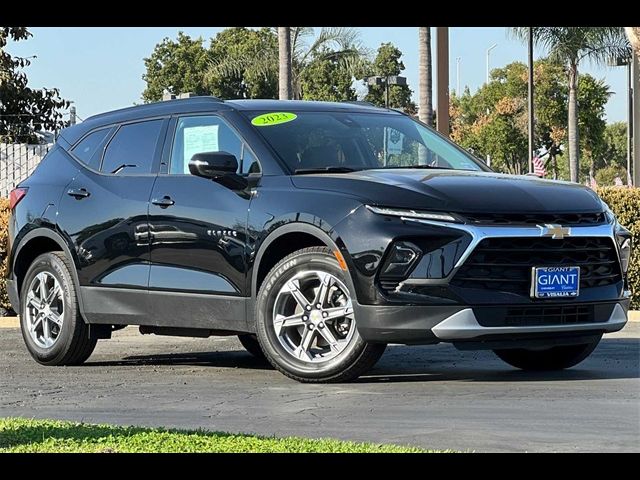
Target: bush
625, 203
4, 263
607, 176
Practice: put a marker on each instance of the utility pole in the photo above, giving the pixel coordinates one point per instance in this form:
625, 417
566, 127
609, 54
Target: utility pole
458, 76
442, 76
72, 115
630, 120
530, 101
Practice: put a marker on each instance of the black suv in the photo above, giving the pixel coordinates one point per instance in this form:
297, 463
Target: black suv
316, 232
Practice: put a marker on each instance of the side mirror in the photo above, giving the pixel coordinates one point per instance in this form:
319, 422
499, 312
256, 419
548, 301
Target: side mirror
221, 167
213, 164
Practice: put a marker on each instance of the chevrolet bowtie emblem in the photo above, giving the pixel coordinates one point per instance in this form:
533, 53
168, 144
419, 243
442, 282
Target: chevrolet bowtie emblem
557, 232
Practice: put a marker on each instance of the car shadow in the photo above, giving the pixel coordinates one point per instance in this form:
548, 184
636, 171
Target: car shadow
615, 358
229, 359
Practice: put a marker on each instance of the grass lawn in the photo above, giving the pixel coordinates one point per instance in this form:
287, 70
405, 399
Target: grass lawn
28, 435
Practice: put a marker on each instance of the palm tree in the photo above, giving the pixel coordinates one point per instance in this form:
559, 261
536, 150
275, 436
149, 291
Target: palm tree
284, 63
333, 43
569, 46
424, 70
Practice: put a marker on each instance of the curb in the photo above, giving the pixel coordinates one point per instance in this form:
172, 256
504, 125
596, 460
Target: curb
14, 322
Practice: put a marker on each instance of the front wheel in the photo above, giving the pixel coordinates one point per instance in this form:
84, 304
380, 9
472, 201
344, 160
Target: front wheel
554, 358
306, 323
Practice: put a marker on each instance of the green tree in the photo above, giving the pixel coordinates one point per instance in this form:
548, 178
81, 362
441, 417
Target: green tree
615, 144
230, 76
24, 111
387, 63
326, 79
336, 44
176, 66
569, 46
592, 98
607, 176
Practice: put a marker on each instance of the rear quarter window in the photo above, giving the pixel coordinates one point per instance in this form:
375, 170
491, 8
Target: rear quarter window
89, 149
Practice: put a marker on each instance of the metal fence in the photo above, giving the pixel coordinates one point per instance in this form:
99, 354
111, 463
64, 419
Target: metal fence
17, 161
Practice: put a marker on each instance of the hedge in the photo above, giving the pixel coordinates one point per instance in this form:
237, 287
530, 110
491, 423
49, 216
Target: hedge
625, 203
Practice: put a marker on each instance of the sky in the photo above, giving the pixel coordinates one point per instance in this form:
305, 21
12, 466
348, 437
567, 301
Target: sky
100, 68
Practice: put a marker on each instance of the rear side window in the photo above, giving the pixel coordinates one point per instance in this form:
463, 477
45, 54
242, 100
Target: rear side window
132, 149
89, 150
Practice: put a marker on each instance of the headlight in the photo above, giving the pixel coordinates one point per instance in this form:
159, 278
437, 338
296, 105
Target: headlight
623, 239
416, 214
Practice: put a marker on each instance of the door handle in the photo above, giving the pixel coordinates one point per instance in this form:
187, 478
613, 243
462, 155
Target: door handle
163, 202
78, 193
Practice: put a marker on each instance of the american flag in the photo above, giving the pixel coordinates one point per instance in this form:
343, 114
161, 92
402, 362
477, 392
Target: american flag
538, 167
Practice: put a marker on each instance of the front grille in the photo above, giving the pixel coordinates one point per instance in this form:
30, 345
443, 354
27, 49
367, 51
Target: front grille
548, 315
564, 219
505, 264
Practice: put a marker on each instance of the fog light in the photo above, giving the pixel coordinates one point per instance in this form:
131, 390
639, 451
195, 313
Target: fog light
402, 256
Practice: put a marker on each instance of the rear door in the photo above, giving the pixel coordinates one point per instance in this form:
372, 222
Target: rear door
105, 212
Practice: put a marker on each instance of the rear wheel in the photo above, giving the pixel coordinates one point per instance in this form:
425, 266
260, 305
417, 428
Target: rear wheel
306, 323
554, 358
52, 328
251, 345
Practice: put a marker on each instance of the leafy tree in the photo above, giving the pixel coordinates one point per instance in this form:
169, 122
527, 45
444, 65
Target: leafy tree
569, 46
607, 176
337, 44
388, 63
24, 111
592, 98
326, 79
615, 144
230, 76
176, 66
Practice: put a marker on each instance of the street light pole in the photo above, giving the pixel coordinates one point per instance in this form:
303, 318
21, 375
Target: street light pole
458, 76
488, 54
629, 122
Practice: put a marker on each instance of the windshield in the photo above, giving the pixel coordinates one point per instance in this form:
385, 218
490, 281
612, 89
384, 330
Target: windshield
345, 141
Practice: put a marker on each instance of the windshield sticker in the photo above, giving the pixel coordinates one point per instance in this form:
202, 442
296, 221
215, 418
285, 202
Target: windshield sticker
275, 118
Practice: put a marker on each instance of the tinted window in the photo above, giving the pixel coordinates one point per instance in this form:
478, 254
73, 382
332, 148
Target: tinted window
134, 145
207, 134
89, 150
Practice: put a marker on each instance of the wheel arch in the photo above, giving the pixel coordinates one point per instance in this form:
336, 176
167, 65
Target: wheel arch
34, 243
281, 242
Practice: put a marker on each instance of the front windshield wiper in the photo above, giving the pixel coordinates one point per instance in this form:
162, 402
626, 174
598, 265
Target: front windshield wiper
334, 169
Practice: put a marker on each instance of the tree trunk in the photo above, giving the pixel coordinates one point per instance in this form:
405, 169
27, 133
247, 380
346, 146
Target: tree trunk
574, 143
284, 68
425, 68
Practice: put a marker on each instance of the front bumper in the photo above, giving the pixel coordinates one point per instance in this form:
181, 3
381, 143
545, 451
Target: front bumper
411, 324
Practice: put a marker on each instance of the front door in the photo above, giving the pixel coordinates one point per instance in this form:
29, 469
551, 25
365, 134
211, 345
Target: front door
197, 231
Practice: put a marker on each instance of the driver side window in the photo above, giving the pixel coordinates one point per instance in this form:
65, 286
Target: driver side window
208, 133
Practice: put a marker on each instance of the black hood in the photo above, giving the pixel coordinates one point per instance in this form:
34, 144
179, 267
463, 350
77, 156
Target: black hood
457, 191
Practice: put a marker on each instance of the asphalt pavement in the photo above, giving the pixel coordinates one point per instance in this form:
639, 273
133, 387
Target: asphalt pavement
430, 396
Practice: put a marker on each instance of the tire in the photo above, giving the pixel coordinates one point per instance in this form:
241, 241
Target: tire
251, 345
71, 345
350, 356
554, 358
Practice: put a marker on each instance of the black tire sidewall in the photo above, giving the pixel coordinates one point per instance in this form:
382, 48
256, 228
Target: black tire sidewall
53, 265
288, 267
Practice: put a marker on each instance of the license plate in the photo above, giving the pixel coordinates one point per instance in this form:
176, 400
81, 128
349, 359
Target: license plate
547, 282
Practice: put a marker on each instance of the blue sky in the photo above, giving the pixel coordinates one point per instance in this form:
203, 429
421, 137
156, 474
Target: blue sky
100, 69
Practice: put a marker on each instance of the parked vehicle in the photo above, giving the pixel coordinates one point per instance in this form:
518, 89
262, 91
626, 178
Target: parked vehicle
316, 232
